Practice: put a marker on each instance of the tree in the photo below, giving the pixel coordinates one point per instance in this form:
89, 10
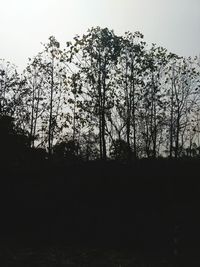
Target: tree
183, 94
35, 96
130, 79
96, 55
9, 82
152, 109
54, 75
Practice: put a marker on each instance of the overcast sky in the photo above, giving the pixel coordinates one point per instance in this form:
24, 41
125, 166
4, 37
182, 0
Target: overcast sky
24, 24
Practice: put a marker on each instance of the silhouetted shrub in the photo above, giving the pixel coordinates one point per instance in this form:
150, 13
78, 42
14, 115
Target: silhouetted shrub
120, 150
13, 141
69, 150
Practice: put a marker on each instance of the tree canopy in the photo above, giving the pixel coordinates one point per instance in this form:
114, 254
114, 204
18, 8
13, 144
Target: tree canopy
103, 96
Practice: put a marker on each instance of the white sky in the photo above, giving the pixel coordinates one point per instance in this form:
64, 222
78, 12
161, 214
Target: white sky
24, 24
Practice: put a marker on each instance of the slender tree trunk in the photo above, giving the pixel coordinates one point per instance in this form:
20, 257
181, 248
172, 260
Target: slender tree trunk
100, 108
151, 120
177, 135
171, 130
128, 111
50, 133
171, 117
32, 115
103, 136
74, 115
36, 115
155, 133
103, 115
133, 110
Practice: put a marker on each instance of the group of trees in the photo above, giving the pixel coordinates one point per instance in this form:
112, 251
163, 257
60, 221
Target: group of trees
105, 96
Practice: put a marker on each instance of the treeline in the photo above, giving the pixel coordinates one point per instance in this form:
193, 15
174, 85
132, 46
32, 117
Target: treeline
102, 96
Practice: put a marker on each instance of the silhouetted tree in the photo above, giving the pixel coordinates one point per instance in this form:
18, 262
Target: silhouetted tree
106, 86
9, 82
54, 77
152, 109
96, 55
131, 71
183, 96
35, 96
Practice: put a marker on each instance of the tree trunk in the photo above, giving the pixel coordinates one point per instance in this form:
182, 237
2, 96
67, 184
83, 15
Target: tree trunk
50, 133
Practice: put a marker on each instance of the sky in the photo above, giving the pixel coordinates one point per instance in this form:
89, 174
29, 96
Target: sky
25, 24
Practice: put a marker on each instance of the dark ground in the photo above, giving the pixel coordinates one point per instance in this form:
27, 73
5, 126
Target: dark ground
100, 214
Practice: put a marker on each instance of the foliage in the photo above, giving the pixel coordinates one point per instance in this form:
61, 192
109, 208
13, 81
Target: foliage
107, 95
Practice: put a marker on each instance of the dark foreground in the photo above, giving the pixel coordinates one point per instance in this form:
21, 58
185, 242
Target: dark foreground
68, 256
59, 255
94, 214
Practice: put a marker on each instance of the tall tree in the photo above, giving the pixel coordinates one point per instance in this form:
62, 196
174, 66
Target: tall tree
152, 109
34, 98
184, 94
54, 75
131, 70
96, 55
